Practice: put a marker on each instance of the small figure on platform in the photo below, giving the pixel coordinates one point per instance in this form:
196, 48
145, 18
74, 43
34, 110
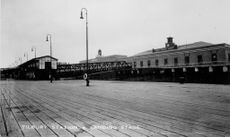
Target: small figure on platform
85, 76
51, 78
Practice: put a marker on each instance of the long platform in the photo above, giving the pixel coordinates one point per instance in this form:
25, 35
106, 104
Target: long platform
113, 108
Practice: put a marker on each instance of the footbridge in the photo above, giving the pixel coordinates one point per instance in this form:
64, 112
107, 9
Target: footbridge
98, 68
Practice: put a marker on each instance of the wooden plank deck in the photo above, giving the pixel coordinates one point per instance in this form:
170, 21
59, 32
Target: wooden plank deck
113, 108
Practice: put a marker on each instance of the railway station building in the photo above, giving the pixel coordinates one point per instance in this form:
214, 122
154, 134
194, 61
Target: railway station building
195, 62
40, 68
109, 58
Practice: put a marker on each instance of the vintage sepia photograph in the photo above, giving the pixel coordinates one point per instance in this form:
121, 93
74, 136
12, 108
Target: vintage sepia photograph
115, 68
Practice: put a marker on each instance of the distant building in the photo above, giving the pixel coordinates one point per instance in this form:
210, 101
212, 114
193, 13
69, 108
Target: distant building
101, 58
99, 53
183, 60
37, 68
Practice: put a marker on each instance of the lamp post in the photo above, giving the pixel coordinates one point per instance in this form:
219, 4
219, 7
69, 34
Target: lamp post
87, 63
20, 60
34, 49
48, 38
26, 55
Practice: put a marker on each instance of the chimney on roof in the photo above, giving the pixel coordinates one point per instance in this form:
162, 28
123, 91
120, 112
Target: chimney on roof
99, 53
170, 40
170, 44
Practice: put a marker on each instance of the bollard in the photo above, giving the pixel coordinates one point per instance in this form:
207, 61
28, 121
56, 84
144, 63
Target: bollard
87, 82
85, 76
51, 79
182, 80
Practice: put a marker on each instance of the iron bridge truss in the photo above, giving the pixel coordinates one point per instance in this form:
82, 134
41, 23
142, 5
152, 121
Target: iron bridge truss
93, 67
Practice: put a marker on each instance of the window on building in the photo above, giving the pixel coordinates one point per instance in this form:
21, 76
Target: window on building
200, 59
228, 57
165, 61
214, 57
175, 61
37, 64
156, 62
134, 64
141, 63
186, 60
149, 63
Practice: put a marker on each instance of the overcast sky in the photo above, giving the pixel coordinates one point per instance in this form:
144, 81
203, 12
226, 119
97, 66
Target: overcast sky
124, 27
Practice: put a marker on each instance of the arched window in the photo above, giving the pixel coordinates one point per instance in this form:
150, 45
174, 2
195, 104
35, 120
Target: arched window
175, 61
141, 63
186, 60
165, 61
156, 62
228, 57
149, 63
134, 64
214, 57
200, 59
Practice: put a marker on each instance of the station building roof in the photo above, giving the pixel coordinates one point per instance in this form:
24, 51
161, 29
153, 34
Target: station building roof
35, 59
109, 58
45, 57
195, 45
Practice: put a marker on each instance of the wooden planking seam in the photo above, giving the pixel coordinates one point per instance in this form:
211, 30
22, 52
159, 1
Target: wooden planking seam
84, 104
51, 128
41, 105
48, 125
45, 124
204, 125
3, 125
102, 119
14, 121
131, 113
139, 135
190, 122
156, 132
133, 130
36, 101
103, 131
46, 96
158, 112
215, 111
183, 108
24, 115
43, 121
40, 120
3, 131
13, 128
159, 133
51, 90
201, 104
22, 120
52, 111
151, 123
